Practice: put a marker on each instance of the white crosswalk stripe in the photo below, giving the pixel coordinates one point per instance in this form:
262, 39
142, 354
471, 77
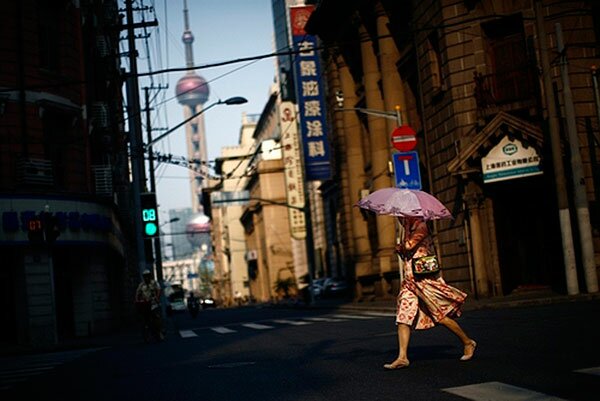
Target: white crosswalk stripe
323, 319
590, 371
222, 330
498, 391
292, 322
296, 321
257, 326
379, 314
354, 316
19, 369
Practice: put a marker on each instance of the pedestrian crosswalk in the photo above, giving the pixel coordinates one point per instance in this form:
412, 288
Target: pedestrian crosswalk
14, 370
495, 390
498, 391
274, 323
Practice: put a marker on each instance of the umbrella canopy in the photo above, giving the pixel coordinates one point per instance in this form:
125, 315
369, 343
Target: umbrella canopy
405, 203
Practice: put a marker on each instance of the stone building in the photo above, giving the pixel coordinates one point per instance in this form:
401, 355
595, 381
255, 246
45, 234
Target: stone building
468, 76
227, 200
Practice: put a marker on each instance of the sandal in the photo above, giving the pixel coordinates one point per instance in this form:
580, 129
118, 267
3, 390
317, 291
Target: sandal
397, 364
469, 347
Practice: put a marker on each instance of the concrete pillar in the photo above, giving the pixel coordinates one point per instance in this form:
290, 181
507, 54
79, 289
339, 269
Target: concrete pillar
355, 162
393, 93
380, 144
474, 201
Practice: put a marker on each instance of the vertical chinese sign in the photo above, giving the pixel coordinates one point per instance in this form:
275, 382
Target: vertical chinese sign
294, 181
310, 97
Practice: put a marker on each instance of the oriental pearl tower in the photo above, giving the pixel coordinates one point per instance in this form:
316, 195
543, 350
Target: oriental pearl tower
192, 92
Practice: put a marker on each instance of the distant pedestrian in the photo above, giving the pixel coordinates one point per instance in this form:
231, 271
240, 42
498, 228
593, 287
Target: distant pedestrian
148, 292
425, 301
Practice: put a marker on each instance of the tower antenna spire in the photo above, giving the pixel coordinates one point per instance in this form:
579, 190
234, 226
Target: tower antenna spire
187, 38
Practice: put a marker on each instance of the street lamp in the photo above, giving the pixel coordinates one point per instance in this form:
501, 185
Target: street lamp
173, 220
148, 147
231, 101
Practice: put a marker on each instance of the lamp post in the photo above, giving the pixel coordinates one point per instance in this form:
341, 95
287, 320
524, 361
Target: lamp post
148, 148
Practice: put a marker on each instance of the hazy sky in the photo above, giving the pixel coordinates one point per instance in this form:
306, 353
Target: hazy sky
223, 30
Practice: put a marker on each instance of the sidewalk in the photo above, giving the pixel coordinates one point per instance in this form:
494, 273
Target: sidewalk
516, 299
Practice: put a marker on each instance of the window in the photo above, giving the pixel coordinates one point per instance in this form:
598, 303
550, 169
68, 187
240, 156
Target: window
49, 19
435, 61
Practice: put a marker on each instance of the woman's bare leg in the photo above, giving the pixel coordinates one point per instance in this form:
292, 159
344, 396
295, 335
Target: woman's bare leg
467, 341
403, 339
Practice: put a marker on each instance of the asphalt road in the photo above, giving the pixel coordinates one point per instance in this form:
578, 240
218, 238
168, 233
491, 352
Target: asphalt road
524, 353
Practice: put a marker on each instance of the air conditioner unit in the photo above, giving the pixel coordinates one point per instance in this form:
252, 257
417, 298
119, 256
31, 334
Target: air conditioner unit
103, 180
102, 46
35, 172
100, 114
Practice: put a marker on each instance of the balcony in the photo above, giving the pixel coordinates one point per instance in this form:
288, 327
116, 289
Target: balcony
509, 90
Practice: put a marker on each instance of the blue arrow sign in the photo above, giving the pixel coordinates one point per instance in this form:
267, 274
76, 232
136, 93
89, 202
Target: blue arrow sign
406, 170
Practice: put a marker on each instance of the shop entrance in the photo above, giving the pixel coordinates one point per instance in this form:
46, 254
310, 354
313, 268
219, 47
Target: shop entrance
63, 290
527, 233
8, 296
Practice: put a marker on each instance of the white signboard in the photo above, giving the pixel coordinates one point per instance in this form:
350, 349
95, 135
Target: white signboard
294, 181
508, 160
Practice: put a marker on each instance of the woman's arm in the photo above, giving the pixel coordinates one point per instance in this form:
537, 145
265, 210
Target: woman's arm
414, 238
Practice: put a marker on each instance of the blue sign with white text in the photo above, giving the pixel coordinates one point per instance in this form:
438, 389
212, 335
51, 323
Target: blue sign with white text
309, 86
406, 170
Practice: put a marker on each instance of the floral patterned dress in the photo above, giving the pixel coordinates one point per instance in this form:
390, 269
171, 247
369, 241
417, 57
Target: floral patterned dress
424, 301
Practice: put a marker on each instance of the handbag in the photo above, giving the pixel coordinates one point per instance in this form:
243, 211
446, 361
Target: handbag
425, 265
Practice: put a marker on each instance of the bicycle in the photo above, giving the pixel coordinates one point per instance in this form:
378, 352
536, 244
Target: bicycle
151, 330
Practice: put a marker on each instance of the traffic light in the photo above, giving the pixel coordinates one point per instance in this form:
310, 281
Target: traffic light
43, 227
149, 215
35, 230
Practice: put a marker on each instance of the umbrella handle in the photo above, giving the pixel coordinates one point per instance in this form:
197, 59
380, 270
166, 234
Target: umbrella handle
400, 268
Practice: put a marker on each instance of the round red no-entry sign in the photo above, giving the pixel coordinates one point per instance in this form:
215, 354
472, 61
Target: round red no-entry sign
404, 138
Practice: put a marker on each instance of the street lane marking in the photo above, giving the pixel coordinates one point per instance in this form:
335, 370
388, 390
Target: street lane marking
323, 319
353, 317
257, 326
222, 330
498, 391
379, 314
187, 334
292, 322
590, 371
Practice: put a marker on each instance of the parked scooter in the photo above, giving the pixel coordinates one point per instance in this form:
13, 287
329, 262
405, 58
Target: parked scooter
193, 305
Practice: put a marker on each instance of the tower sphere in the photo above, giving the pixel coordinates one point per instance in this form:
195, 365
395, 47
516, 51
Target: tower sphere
187, 37
192, 90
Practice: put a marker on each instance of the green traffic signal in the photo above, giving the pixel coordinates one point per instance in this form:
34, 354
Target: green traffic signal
150, 229
149, 214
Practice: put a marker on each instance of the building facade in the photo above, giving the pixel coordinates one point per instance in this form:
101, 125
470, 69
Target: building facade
468, 77
64, 185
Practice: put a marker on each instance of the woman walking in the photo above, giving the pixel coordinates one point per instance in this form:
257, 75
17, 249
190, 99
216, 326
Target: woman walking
427, 301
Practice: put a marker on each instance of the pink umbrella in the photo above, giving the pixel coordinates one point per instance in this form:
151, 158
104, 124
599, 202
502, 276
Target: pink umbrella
405, 203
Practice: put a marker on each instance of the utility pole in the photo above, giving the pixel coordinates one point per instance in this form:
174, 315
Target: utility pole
559, 171
157, 245
579, 188
135, 137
